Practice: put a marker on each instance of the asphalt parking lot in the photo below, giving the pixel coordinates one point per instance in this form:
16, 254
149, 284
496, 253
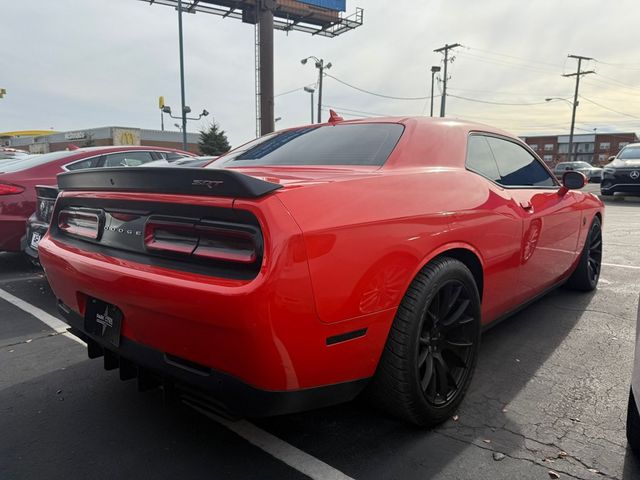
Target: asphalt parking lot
549, 394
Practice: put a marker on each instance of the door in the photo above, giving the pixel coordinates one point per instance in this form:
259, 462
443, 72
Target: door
551, 222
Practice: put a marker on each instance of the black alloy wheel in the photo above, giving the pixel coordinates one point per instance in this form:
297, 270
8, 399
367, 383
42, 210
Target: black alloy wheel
446, 343
587, 273
595, 254
432, 347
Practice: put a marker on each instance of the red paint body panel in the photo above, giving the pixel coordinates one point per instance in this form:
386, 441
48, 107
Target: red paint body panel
341, 247
16, 209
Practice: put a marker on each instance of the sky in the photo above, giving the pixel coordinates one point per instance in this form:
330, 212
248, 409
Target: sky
77, 64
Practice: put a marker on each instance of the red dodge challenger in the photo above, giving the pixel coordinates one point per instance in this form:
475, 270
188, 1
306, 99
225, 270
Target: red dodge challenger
311, 263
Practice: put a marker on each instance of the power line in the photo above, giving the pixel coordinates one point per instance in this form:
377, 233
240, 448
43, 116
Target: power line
494, 103
609, 108
489, 52
374, 93
340, 109
292, 91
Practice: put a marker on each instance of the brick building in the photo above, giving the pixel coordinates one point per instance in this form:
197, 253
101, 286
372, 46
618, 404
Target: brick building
100, 137
591, 148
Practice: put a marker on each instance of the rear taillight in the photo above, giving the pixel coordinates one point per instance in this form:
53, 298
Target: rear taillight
228, 242
8, 189
80, 223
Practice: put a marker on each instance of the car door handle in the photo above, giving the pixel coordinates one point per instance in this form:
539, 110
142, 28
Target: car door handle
526, 205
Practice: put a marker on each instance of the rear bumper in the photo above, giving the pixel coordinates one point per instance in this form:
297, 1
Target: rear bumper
263, 331
34, 226
219, 389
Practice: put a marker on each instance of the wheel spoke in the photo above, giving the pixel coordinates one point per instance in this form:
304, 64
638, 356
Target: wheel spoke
456, 359
459, 343
428, 373
443, 376
455, 316
423, 357
451, 297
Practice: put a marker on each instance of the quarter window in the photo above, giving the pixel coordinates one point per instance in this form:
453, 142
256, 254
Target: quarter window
517, 167
480, 158
88, 163
127, 159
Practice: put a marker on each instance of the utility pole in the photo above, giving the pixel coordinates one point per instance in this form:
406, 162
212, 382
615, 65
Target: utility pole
320, 65
435, 69
265, 29
578, 74
182, 95
445, 49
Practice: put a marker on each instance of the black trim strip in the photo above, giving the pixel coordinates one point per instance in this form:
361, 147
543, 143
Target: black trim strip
343, 337
181, 180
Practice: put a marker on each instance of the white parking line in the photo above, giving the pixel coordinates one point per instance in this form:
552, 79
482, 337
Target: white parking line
286, 453
54, 323
633, 267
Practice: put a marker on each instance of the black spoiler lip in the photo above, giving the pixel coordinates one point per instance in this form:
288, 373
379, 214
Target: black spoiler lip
215, 182
47, 191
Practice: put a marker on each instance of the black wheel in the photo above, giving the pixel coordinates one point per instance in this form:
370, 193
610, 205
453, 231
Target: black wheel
606, 194
633, 424
586, 275
432, 348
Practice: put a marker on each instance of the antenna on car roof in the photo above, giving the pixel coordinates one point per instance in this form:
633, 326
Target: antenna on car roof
334, 117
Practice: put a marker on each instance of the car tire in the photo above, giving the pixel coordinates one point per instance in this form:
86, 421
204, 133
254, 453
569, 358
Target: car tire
432, 347
587, 273
606, 194
633, 424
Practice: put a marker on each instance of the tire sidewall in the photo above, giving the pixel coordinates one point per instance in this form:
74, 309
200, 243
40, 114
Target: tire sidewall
432, 414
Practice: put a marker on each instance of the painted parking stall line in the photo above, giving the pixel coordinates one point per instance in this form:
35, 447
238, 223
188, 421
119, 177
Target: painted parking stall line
633, 267
286, 453
277, 448
52, 322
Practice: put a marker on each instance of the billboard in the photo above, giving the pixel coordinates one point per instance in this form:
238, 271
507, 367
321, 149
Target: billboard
339, 5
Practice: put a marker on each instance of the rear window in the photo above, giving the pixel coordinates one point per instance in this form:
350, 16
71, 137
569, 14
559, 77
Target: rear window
33, 161
356, 144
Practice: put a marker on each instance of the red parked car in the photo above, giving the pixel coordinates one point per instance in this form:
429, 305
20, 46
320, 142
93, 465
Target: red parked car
299, 269
18, 179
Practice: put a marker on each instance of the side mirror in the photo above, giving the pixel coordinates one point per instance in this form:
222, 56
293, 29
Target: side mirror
572, 180
611, 158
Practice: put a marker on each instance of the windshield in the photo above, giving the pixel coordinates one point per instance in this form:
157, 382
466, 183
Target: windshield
355, 144
581, 165
630, 153
33, 161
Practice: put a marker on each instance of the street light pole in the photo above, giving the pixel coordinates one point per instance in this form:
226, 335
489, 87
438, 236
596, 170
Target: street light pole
434, 70
311, 91
320, 65
182, 94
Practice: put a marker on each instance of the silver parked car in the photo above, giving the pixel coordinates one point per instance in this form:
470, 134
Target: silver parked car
594, 174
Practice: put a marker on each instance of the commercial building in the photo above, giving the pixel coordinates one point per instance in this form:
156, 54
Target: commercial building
591, 148
55, 141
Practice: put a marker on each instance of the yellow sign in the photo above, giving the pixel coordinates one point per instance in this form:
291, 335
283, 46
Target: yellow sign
161, 103
126, 136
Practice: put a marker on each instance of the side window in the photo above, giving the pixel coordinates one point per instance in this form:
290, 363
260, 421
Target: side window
517, 167
480, 158
88, 163
127, 159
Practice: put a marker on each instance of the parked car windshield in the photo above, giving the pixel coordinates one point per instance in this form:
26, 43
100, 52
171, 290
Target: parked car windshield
630, 153
33, 161
355, 144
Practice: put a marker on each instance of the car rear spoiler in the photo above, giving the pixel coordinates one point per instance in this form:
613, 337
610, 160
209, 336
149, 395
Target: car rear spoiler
216, 182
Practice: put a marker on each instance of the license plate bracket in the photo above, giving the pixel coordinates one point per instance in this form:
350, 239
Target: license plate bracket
103, 320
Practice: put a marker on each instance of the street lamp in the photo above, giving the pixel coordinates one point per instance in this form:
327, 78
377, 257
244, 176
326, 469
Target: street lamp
434, 70
187, 109
310, 90
178, 126
574, 105
320, 65
277, 119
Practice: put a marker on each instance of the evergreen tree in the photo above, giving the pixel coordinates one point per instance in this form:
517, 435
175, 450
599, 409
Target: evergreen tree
213, 141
